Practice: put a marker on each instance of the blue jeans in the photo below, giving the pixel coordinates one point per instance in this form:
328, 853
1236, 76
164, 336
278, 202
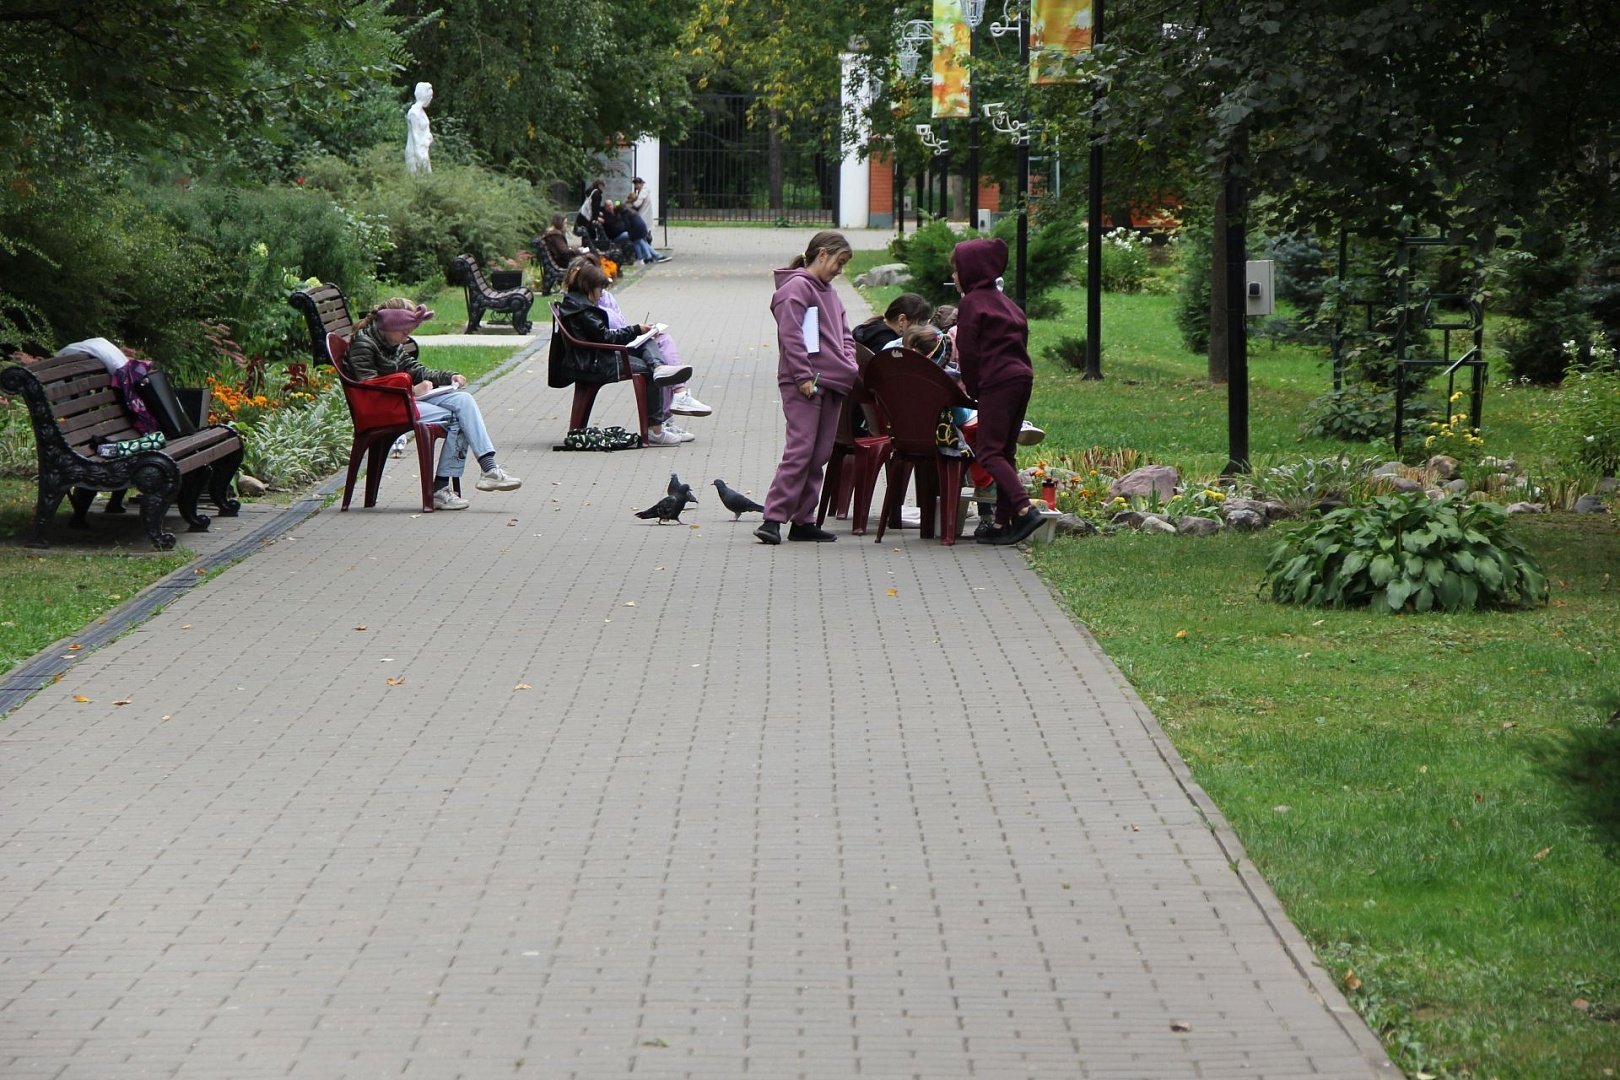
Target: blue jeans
644, 251
464, 425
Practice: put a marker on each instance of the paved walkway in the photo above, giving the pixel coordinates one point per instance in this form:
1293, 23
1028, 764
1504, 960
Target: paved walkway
541, 790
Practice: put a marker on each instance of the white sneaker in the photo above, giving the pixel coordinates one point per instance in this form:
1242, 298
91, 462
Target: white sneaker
687, 405
398, 449
447, 499
1030, 435
498, 479
670, 375
686, 436
663, 437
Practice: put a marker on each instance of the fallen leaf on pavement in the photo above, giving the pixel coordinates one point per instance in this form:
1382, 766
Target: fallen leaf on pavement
396, 682
1180, 1025
80, 698
523, 686
893, 591
362, 626
122, 701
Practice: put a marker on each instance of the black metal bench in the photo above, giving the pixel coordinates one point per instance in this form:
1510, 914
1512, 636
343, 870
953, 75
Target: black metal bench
481, 297
551, 275
75, 408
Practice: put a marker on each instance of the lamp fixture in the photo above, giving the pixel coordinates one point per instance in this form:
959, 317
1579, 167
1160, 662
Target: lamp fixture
1012, 14
973, 12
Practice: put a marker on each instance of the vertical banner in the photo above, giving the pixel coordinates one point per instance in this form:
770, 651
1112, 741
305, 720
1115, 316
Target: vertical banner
952, 47
1059, 38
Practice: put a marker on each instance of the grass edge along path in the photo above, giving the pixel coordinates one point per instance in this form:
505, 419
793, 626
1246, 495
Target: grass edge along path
1435, 799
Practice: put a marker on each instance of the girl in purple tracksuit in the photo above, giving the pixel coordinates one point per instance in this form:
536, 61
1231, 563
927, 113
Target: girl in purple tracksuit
992, 347
814, 374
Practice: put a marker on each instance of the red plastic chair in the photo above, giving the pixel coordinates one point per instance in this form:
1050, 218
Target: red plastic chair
911, 391
853, 470
585, 393
382, 409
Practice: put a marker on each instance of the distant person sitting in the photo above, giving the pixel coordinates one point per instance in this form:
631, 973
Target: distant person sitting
582, 314
555, 241
622, 227
678, 397
378, 348
885, 331
640, 235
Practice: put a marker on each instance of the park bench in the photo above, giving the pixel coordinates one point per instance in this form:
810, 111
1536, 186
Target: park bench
551, 275
326, 310
482, 297
75, 408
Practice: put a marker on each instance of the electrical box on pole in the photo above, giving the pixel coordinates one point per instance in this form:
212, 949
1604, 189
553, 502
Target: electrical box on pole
1260, 297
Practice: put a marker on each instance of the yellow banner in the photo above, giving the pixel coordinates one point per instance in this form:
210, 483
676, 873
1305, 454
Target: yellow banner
953, 45
1059, 38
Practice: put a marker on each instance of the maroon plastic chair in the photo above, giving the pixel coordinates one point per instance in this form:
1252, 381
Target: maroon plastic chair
585, 393
911, 392
856, 461
382, 410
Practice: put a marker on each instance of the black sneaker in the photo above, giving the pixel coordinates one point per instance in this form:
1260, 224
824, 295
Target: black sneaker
770, 532
988, 532
810, 532
1021, 528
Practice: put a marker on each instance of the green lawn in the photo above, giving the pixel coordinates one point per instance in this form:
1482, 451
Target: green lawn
1436, 799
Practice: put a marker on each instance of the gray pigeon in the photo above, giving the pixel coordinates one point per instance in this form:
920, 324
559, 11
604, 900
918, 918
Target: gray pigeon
670, 506
735, 501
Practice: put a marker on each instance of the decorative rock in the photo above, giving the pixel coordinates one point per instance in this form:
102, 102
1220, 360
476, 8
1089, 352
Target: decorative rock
1526, 508
1504, 465
1607, 486
1590, 504
1151, 524
1198, 526
1246, 520
1442, 467
1328, 505
1458, 484
1266, 508
1434, 494
250, 486
1071, 525
1162, 479
1401, 483
886, 274
1389, 468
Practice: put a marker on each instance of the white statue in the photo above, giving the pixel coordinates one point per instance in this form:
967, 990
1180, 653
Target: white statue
420, 135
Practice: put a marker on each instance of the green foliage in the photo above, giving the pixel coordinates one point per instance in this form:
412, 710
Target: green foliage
431, 218
292, 447
1070, 352
1352, 413
1193, 287
1056, 241
1406, 553
1588, 419
97, 261
1301, 485
1301, 269
927, 254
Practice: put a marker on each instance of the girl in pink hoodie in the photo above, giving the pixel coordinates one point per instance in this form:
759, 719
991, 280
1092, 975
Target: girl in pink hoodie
815, 372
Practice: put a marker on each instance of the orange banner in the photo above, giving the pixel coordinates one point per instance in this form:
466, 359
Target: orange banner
953, 45
1059, 38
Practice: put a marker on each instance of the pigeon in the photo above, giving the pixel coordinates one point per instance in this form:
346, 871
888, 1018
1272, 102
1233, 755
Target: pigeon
670, 506
735, 501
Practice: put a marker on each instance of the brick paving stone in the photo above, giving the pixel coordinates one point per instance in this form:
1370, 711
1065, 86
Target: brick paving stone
592, 797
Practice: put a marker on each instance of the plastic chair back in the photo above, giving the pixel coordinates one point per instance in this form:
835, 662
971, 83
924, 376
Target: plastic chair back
911, 391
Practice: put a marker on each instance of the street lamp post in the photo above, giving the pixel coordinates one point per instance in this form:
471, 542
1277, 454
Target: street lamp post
1094, 198
973, 14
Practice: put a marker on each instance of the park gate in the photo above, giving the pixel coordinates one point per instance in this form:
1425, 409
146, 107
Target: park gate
722, 170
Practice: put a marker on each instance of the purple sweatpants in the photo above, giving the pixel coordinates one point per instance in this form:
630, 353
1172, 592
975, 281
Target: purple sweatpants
812, 428
1001, 414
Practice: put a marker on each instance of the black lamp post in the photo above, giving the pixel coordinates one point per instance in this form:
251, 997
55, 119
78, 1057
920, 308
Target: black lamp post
1094, 198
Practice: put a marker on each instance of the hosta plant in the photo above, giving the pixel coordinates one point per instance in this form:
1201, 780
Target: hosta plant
1406, 553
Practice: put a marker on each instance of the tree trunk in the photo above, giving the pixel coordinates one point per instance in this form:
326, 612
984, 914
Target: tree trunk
1217, 290
775, 153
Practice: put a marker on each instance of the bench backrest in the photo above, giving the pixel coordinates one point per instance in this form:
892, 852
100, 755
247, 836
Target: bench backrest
326, 310
86, 408
473, 276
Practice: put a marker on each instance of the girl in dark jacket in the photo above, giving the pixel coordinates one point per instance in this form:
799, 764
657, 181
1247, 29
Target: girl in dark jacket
587, 321
992, 349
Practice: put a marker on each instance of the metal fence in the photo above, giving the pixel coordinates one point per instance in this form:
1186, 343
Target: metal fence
722, 170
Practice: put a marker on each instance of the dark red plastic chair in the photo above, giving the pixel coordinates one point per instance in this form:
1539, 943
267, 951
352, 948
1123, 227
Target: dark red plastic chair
585, 393
856, 461
911, 391
382, 410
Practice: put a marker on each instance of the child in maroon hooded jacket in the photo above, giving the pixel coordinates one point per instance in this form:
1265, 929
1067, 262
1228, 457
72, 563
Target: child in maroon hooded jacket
815, 372
992, 349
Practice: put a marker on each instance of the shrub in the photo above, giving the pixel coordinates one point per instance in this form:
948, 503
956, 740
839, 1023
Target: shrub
433, 217
1539, 286
1301, 269
1126, 265
1070, 352
1588, 414
291, 447
1193, 287
927, 254
1406, 553
1350, 413
1304, 484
